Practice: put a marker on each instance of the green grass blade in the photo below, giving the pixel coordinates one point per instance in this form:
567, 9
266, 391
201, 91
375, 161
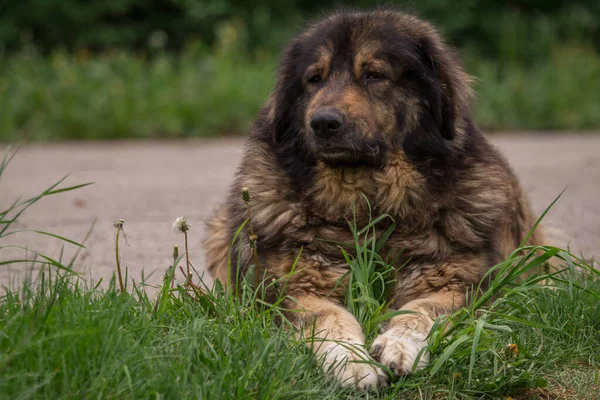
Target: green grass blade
62, 238
374, 222
476, 336
439, 363
67, 189
7, 158
384, 237
528, 236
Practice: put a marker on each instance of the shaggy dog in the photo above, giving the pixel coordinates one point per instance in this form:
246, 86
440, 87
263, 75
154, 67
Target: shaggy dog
371, 105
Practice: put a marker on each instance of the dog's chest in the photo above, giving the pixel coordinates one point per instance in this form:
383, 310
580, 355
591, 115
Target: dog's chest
329, 240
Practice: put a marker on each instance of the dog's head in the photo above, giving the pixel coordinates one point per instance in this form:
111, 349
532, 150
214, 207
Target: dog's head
357, 85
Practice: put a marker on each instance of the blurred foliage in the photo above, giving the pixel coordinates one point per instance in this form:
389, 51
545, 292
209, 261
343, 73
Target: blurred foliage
118, 95
516, 29
79, 69
207, 93
558, 94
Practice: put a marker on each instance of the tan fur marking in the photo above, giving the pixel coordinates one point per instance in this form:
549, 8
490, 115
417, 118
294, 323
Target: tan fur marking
314, 274
422, 280
322, 66
364, 60
436, 304
346, 186
337, 339
217, 245
329, 320
400, 188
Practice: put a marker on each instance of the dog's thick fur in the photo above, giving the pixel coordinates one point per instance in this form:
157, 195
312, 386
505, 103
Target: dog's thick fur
405, 140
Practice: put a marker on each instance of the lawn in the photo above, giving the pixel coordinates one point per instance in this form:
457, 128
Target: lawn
533, 334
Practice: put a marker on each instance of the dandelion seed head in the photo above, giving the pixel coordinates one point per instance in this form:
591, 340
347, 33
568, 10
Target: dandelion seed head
181, 225
119, 223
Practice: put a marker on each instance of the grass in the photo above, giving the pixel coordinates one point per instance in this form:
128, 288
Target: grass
198, 93
370, 276
526, 336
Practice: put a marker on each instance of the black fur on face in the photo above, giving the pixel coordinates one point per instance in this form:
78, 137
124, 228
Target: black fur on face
359, 86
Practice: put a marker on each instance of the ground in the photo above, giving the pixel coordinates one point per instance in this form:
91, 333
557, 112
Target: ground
150, 184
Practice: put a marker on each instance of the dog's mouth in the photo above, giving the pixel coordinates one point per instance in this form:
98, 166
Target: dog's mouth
339, 154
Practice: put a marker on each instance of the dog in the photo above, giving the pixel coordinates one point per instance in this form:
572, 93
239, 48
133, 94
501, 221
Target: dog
371, 110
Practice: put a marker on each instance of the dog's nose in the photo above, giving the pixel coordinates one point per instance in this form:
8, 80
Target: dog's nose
326, 123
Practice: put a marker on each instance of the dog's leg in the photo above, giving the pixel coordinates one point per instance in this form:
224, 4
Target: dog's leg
217, 245
337, 339
406, 335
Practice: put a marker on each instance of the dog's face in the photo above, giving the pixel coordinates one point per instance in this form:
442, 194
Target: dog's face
350, 103
356, 86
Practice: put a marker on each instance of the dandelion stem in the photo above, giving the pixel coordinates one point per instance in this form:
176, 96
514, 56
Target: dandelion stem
187, 259
181, 225
119, 226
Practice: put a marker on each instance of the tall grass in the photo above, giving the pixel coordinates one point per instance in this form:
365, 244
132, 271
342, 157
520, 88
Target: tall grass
60, 338
494, 345
370, 276
11, 215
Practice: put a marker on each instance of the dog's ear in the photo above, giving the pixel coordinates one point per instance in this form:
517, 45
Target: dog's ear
451, 83
288, 90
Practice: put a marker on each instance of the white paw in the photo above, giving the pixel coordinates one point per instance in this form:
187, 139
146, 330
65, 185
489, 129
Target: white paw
398, 350
351, 366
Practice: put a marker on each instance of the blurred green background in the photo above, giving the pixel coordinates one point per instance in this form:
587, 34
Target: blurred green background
105, 69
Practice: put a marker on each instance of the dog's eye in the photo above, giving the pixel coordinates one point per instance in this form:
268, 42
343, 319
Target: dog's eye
373, 76
315, 79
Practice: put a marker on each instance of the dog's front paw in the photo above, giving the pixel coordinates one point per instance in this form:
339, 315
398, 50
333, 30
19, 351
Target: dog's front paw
399, 349
354, 367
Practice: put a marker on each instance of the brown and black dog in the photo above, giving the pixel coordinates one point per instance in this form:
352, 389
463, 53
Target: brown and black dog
372, 105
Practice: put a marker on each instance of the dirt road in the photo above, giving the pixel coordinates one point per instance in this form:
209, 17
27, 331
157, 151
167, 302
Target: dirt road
150, 184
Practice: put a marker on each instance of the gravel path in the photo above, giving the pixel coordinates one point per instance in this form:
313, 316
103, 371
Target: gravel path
149, 184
